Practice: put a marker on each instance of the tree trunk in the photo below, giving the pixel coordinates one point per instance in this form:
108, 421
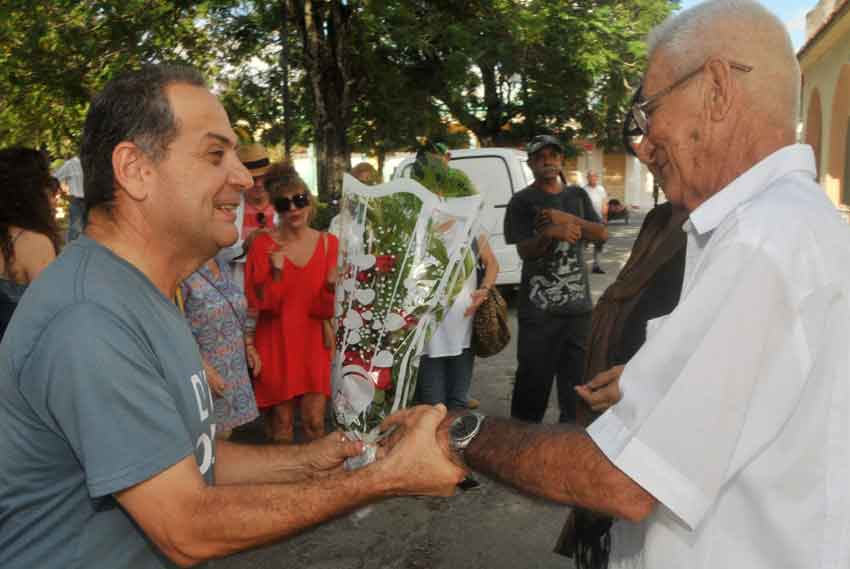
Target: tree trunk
284, 65
325, 28
382, 159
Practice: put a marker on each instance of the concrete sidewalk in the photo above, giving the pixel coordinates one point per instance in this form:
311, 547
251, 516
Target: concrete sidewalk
490, 527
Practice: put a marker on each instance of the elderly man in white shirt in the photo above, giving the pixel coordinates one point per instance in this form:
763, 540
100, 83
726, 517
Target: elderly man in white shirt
730, 446
599, 198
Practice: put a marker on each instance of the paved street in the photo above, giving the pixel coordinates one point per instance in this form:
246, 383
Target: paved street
489, 527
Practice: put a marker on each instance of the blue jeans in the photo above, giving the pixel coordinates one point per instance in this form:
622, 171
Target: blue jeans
76, 212
445, 380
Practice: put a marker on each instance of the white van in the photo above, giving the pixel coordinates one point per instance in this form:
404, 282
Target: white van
497, 174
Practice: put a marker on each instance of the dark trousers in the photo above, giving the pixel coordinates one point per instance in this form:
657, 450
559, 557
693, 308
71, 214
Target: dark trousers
548, 347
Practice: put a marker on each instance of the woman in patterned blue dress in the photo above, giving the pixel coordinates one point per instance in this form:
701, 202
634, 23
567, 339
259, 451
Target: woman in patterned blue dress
217, 313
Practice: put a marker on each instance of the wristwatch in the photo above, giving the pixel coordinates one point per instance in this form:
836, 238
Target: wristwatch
465, 428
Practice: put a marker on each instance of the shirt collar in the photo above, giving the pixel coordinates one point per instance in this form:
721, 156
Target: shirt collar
712, 212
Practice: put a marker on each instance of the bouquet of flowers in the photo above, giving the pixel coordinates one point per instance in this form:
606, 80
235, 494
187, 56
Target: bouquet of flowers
404, 256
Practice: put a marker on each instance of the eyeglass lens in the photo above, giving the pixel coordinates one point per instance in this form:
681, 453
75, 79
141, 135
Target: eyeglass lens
634, 125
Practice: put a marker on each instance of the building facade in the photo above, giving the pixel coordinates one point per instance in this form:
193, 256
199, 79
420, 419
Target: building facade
825, 64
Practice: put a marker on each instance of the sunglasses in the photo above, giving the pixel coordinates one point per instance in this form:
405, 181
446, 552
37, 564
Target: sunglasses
298, 201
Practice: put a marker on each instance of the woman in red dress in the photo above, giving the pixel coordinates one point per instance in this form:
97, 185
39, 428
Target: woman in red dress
289, 280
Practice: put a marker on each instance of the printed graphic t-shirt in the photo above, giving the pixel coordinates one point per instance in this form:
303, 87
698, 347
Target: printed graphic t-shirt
556, 282
101, 387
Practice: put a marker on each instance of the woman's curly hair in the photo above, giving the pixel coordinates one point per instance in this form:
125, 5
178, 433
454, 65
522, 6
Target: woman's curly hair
24, 182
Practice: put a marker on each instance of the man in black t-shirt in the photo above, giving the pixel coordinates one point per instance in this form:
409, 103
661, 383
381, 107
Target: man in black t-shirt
548, 221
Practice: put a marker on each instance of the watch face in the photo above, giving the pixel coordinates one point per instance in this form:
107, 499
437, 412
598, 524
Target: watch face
463, 426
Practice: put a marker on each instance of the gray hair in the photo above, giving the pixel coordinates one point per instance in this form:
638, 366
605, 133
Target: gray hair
739, 30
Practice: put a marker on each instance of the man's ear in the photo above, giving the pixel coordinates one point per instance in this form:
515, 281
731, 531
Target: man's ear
720, 90
129, 164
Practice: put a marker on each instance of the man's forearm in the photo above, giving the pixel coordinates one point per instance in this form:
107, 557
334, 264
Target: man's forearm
227, 519
558, 462
593, 231
261, 464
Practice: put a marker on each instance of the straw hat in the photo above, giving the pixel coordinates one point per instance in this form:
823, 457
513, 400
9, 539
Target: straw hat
254, 157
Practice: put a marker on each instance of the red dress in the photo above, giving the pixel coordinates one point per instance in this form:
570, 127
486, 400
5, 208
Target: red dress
289, 341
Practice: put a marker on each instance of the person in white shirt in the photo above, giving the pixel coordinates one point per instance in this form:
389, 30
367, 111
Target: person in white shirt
71, 174
599, 198
730, 446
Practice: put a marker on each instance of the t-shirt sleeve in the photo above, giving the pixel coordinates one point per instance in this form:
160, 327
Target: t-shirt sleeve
587, 205
107, 397
714, 383
519, 220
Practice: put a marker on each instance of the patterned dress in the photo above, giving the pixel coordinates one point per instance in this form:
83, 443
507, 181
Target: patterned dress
216, 311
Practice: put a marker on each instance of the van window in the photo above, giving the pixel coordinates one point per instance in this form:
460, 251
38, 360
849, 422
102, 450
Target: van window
490, 175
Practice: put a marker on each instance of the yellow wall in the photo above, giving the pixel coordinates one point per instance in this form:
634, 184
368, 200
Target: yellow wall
826, 83
614, 176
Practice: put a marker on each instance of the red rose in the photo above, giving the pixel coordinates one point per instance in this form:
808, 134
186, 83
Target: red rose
353, 358
385, 378
410, 321
384, 263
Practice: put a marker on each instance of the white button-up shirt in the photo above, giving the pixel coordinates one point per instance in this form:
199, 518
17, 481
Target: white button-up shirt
736, 413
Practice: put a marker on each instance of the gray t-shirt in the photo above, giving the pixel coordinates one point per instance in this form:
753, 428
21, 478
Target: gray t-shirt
101, 387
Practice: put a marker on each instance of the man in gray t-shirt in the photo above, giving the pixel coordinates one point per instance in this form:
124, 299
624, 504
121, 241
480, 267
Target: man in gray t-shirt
108, 455
85, 419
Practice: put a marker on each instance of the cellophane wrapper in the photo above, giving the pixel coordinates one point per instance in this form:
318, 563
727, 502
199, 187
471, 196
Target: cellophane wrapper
404, 256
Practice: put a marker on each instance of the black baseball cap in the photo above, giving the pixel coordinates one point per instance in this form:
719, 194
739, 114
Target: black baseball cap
542, 140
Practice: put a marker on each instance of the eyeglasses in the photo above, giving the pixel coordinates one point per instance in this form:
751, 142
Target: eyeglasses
636, 123
298, 201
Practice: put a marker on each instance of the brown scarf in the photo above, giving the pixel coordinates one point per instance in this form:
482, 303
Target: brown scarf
585, 535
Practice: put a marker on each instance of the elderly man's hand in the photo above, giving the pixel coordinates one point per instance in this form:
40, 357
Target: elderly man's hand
417, 458
602, 391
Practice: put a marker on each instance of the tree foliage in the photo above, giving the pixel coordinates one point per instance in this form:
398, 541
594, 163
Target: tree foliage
507, 69
54, 55
371, 75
